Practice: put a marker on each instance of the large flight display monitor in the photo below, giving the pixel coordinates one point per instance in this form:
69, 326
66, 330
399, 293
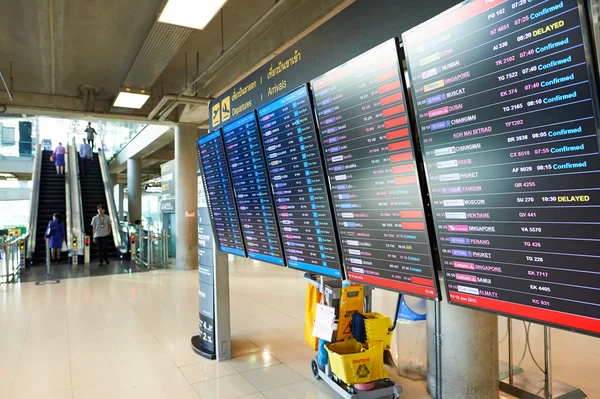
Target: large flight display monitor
365, 133
299, 184
220, 195
505, 106
252, 190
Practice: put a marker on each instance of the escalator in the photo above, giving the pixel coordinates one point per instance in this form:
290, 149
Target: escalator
93, 194
51, 199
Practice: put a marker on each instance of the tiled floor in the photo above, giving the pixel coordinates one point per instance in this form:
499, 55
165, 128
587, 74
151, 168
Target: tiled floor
127, 336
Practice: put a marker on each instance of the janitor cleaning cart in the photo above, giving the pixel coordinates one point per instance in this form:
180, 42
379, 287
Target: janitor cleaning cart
352, 362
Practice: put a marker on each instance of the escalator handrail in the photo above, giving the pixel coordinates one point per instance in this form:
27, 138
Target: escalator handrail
78, 222
68, 210
34, 197
110, 199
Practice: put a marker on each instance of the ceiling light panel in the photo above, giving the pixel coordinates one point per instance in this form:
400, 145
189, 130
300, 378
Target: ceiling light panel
195, 14
131, 100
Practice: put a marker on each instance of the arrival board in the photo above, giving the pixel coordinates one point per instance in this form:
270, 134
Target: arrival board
365, 133
252, 190
220, 194
299, 184
505, 108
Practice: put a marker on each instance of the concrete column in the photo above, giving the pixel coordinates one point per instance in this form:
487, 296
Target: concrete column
134, 189
469, 352
186, 195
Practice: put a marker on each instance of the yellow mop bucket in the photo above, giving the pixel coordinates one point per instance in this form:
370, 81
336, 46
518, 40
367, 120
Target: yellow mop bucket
356, 363
378, 327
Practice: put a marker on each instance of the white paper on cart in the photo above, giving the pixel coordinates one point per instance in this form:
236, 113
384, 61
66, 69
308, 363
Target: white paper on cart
324, 322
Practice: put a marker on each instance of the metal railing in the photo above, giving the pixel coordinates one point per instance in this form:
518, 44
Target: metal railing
77, 227
68, 187
151, 249
34, 198
13, 253
110, 199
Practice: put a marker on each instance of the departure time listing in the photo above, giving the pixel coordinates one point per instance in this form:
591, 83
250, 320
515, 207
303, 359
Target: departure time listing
220, 194
364, 130
252, 190
300, 187
505, 110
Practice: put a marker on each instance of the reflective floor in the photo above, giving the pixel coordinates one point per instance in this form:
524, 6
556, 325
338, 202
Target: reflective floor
63, 270
127, 336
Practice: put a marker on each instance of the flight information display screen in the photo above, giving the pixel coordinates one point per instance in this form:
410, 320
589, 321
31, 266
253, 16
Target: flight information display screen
505, 106
299, 184
221, 200
253, 190
366, 137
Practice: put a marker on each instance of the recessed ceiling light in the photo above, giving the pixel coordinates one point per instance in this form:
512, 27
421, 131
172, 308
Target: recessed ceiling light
130, 100
195, 14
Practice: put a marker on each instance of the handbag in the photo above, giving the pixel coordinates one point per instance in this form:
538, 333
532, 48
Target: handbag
52, 157
48, 232
64, 247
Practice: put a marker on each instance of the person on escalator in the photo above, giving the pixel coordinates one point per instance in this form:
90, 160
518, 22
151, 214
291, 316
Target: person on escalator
59, 159
91, 136
55, 236
102, 230
85, 153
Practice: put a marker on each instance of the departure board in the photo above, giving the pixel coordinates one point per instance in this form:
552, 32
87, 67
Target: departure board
372, 173
221, 200
252, 190
505, 106
299, 184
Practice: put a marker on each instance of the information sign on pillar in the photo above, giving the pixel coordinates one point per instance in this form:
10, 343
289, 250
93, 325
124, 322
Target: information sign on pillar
214, 338
507, 110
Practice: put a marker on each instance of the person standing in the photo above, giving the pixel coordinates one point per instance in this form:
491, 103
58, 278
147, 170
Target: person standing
55, 236
101, 231
59, 159
91, 133
85, 153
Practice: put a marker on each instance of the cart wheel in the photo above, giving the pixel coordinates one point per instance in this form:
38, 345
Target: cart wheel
352, 391
314, 367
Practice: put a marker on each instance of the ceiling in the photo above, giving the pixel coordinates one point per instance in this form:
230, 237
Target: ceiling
56, 46
49, 49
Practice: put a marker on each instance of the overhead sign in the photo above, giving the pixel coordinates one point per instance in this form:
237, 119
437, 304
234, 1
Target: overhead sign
326, 47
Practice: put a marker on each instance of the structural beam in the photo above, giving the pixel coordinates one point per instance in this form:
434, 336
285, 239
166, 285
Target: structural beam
68, 107
153, 138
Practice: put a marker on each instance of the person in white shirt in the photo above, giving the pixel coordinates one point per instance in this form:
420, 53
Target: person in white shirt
102, 230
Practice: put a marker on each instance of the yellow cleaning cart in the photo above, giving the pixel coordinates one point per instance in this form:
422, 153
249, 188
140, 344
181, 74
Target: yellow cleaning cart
349, 361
